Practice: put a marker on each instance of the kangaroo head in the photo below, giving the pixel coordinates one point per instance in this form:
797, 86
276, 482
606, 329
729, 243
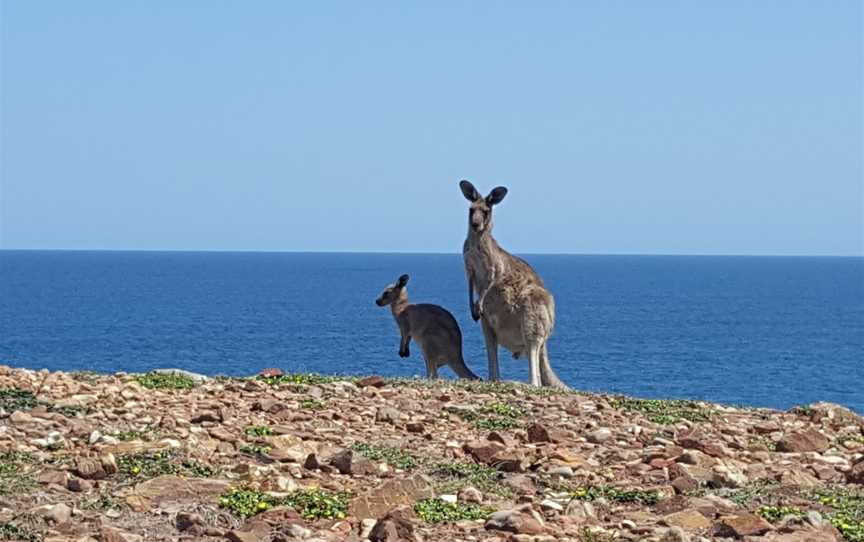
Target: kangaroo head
393, 292
480, 212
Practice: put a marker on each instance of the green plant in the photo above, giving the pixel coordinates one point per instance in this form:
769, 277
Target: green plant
664, 411
395, 457
126, 436
439, 511
10, 531
71, 411
453, 476
259, 431
303, 379
310, 503
492, 416
802, 410
312, 404
254, 449
847, 514
776, 513
105, 501
12, 399
615, 494
153, 464
15, 477
166, 381
751, 492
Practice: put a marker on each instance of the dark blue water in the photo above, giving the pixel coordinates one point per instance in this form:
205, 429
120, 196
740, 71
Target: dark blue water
741, 330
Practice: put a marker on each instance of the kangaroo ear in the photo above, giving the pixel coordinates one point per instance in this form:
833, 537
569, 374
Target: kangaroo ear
403, 280
496, 195
468, 190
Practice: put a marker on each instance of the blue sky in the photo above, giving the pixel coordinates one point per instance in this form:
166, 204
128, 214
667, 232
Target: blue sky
619, 127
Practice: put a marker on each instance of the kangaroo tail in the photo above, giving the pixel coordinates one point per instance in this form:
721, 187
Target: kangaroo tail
462, 370
547, 375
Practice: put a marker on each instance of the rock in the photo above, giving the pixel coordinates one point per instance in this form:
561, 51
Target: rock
79, 485
378, 501
580, 510
54, 513
371, 381
855, 475
675, 534
387, 414
270, 372
164, 490
519, 520
347, 462
470, 495
538, 433
550, 505
54, 477
807, 440
393, 527
520, 484
742, 525
89, 468
415, 427
483, 451
600, 435
111, 534
688, 520
109, 463
186, 521
563, 472
207, 416
243, 536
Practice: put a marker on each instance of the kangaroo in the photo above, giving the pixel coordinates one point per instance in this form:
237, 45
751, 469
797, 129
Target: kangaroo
514, 306
431, 326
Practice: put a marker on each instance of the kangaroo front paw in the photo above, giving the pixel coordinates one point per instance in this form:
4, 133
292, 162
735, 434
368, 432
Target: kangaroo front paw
404, 353
476, 313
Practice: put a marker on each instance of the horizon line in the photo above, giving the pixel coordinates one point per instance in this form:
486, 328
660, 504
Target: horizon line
432, 253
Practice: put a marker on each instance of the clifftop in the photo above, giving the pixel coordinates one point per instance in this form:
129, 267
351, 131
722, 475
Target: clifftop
165, 456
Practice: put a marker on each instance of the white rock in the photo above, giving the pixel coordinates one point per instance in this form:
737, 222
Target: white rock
449, 498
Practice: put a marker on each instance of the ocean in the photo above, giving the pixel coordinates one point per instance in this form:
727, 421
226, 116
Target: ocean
757, 331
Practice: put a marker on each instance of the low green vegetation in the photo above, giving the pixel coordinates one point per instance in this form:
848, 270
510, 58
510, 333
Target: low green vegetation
776, 513
847, 514
615, 494
504, 388
303, 379
153, 464
10, 531
255, 449
395, 457
492, 416
71, 411
12, 399
104, 501
802, 410
126, 436
664, 411
312, 404
453, 476
259, 431
312, 504
15, 476
166, 381
440, 511
752, 492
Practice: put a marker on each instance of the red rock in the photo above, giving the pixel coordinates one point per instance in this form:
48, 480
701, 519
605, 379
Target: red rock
347, 462
742, 525
856, 473
374, 381
807, 440
270, 372
483, 451
89, 468
538, 433
415, 427
393, 527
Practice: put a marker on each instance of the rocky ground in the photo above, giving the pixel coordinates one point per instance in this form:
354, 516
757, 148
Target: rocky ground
301, 457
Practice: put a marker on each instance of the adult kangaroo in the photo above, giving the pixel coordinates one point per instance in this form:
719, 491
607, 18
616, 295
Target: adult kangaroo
431, 326
514, 307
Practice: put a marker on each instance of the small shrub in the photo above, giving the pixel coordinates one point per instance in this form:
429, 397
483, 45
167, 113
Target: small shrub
15, 477
259, 431
455, 475
312, 404
126, 436
664, 411
12, 399
802, 410
439, 511
254, 449
615, 494
303, 379
752, 492
395, 457
492, 416
105, 501
310, 503
166, 381
776, 513
10, 531
847, 514
71, 411
153, 464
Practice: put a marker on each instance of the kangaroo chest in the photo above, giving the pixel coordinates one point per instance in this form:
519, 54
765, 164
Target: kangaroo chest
485, 266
